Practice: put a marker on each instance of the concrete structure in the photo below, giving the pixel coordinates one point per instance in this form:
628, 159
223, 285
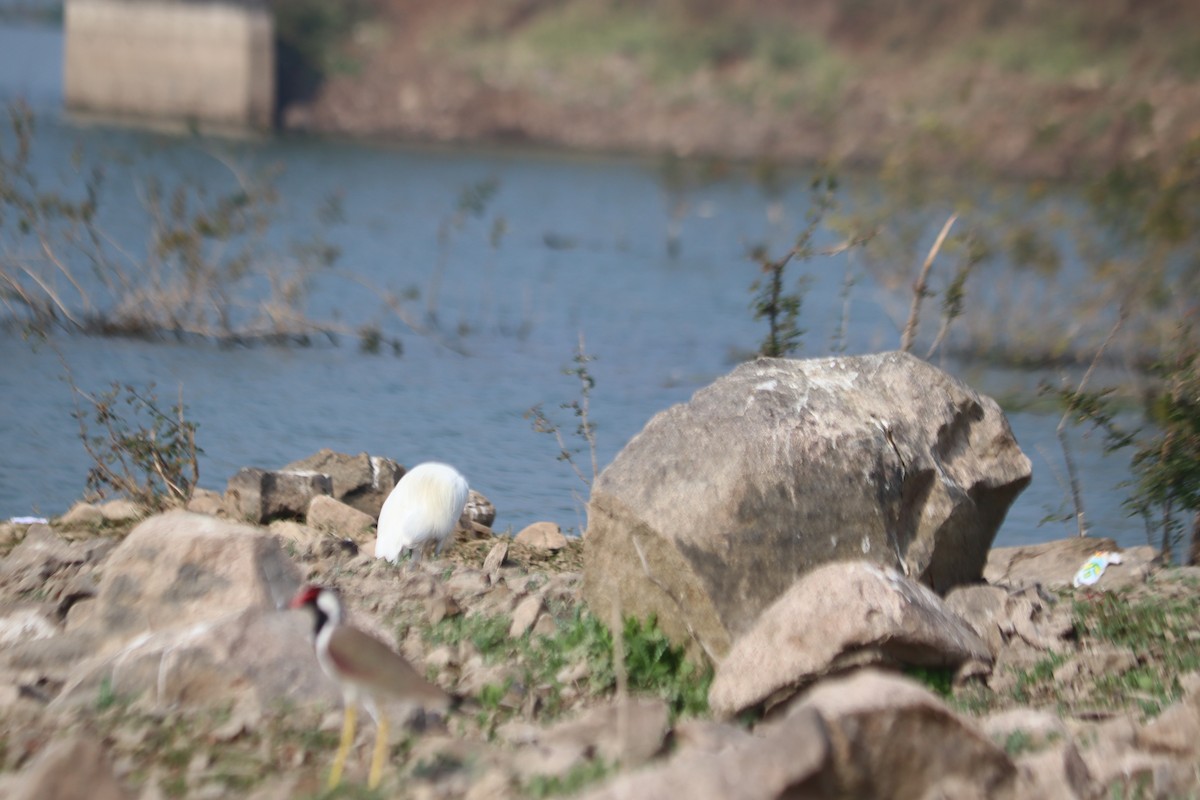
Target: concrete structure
208, 63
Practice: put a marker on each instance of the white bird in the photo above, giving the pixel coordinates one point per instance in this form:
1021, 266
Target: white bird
421, 511
367, 670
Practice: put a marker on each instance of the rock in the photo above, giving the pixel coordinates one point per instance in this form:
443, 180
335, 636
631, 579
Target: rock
1094, 663
11, 534
721, 503
178, 568
787, 761
122, 511
479, 509
707, 734
1052, 565
524, 616
325, 513
1057, 772
26, 624
51, 566
71, 768
206, 501
466, 584
82, 515
630, 731
998, 614
301, 537
841, 614
362, 482
1037, 727
257, 495
983, 607
260, 655
1176, 731
542, 535
894, 739
495, 784
186, 613
495, 559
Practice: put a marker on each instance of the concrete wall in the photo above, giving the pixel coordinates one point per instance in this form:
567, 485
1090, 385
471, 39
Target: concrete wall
211, 62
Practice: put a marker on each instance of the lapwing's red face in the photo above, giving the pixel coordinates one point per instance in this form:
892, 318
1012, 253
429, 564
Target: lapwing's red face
306, 596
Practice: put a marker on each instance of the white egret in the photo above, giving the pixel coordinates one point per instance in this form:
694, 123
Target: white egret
421, 511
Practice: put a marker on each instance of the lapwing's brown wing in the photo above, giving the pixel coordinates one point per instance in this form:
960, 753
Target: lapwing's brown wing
364, 660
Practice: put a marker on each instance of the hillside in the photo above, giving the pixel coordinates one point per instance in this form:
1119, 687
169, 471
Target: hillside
1030, 89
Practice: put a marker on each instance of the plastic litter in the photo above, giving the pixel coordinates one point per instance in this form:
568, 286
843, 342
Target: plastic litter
28, 520
1094, 567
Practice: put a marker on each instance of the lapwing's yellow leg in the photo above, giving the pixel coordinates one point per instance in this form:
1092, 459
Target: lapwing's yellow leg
381, 749
339, 762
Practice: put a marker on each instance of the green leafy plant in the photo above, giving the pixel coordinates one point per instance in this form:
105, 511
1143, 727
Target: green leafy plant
142, 451
772, 302
1165, 460
580, 409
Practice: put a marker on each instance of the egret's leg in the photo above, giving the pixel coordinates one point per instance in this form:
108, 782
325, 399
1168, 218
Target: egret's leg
339, 762
381, 749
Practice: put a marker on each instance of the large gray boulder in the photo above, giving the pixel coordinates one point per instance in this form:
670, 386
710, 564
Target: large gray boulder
721, 503
185, 614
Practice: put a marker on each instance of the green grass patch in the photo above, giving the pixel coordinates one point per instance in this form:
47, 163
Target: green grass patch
1162, 633
1035, 686
578, 777
939, 680
653, 664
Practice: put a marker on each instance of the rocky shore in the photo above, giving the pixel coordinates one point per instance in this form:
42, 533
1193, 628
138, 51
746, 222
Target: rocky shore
756, 634
106, 696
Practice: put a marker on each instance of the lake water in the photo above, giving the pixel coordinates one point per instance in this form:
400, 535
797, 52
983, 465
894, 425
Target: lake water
582, 254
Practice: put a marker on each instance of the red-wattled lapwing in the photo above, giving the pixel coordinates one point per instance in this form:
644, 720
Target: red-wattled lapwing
368, 671
421, 511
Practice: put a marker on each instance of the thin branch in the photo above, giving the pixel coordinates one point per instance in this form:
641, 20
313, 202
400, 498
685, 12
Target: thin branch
919, 288
1061, 430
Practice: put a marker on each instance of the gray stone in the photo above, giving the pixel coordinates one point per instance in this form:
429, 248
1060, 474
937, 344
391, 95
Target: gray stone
893, 739
495, 559
362, 481
82, 515
1056, 772
122, 511
787, 761
1052, 565
327, 514
206, 501
179, 568
479, 509
73, 768
841, 614
261, 653
1176, 731
259, 495
542, 535
1037, 726
525, 615
718, 505
629, 731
